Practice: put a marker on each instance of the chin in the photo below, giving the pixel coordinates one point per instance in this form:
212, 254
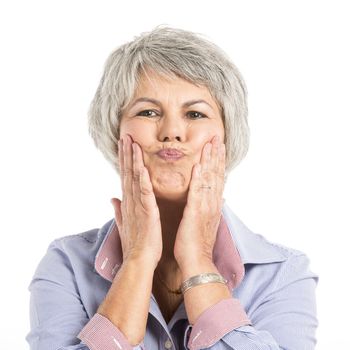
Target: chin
170, 185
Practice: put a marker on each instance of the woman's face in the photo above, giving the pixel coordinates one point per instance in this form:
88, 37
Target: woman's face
166, 113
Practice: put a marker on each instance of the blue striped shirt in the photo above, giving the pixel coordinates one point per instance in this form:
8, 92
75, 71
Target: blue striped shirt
277, 293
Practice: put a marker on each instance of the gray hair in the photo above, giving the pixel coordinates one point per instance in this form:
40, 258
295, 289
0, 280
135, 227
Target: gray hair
170, 52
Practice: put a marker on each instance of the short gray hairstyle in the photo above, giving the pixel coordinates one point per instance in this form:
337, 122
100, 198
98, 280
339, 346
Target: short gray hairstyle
169, 52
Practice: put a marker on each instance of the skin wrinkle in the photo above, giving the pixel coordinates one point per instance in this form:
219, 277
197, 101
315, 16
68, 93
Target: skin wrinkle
185, 104
165, 90
170, 180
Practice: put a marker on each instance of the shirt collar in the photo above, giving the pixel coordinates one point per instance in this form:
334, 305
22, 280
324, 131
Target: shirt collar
252, 247
235, 246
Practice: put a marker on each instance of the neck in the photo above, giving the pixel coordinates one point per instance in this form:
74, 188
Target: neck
170, 216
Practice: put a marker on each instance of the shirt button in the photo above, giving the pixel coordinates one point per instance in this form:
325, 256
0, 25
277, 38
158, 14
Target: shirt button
168, 344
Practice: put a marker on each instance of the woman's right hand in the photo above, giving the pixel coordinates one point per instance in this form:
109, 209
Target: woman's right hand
137, 215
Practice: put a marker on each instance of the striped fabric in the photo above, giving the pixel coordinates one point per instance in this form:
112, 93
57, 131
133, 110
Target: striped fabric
273, 304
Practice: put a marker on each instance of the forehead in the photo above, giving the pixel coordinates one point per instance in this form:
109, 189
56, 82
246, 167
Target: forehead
153, 84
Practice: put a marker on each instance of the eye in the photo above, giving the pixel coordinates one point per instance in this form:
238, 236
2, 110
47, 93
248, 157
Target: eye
196, 115
192, 114
146, 113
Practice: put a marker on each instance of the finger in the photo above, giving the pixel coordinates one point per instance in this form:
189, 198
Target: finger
128, 174
148, 198
222, 160
137, 169
220, 174
205, 157
214, 157
205, 162
121, 146
218, 163
121, 161
117, 212
195, 193
142, 186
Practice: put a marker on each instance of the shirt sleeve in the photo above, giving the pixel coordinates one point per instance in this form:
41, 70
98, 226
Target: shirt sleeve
102, 334
228, 315
57, 314
285, 319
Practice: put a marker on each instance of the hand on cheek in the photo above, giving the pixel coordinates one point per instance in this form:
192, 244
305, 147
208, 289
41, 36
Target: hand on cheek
197, 231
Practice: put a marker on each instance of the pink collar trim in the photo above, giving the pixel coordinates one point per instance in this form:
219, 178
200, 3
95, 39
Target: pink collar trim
225, 255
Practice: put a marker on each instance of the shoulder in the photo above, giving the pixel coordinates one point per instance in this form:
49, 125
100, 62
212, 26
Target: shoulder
79, 246
83, 242
87, 238
295, 265
285, 251
72, 253
255, 248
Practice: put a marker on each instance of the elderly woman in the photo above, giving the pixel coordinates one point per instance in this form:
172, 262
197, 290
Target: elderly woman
175, 268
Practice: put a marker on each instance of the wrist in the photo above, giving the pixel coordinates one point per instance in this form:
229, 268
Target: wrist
193, 268
193, 258
145, 261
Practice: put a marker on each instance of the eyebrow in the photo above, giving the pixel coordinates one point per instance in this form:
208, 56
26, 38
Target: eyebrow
158, 103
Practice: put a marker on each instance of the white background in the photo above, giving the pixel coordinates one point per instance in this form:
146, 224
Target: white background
292, 187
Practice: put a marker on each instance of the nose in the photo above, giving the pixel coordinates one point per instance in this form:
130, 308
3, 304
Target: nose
171, 129
166, 138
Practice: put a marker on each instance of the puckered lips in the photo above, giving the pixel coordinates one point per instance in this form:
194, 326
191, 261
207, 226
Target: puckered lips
170, 154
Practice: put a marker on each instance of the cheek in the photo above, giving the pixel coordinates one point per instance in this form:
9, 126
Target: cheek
201, 139
138, 132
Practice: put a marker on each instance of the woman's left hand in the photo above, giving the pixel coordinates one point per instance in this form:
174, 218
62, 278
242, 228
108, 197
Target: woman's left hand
197, 231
